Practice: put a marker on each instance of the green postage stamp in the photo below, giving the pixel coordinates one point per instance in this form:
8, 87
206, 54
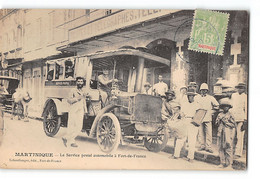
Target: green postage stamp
209, 32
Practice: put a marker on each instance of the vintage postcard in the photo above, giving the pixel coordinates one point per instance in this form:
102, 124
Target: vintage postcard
124, 89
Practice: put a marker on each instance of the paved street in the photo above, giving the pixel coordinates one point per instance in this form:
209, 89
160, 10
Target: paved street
29, 137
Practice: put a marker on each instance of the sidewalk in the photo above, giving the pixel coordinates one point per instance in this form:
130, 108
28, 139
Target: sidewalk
213, 158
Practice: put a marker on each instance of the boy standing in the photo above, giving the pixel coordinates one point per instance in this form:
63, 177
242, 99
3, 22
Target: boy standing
226, 133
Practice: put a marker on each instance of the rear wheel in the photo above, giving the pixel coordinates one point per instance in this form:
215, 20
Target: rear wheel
157, 142
51, 121
108, 133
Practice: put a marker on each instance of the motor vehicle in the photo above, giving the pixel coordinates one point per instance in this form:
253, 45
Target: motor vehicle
8, 85
127, 117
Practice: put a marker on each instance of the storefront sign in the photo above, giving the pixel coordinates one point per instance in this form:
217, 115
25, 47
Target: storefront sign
113, 22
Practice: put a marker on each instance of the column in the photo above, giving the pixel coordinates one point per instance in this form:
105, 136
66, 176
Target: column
178, 71
235, 70
139, 76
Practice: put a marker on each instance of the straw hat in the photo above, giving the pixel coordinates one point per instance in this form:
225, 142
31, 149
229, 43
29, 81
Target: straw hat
225, 102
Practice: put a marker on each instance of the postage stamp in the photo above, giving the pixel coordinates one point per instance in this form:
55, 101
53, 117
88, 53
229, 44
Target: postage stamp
209, 31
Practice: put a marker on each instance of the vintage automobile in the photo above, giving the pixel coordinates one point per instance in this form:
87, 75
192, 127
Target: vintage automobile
8, 86
128, 117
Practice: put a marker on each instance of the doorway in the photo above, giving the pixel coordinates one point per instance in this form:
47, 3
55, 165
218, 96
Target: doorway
199, 63
36, 87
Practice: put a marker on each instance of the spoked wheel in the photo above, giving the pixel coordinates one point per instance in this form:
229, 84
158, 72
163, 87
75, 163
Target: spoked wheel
108, 133
157, 142
51, 121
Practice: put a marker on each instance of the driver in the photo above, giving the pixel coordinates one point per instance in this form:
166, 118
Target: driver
104, 84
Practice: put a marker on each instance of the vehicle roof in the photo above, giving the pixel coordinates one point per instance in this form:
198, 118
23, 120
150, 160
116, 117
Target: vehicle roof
120, 52
7, 78
130, 52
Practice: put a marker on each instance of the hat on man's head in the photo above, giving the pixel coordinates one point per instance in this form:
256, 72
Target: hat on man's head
183, 87
147, 84
193, 83
191, 91
170, 92
225, 102
241, 85
204, 86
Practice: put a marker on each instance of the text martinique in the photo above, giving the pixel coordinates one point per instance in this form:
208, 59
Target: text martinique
25, 154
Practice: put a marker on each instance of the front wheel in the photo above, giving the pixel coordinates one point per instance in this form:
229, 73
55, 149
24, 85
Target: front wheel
51, 121
157, 142
108, 132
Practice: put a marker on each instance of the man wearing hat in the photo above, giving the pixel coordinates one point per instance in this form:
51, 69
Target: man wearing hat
175, 121
160, 88
183, 93
226, 133
189, 108
77, 108
168, 105
208, 103
147, 89
104, 85
239, 110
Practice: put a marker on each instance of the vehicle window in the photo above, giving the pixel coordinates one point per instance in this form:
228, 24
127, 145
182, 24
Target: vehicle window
69, 69
94, 82
58, 71
4, 83
50, 73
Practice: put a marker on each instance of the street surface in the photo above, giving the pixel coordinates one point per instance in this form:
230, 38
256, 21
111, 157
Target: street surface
28, 137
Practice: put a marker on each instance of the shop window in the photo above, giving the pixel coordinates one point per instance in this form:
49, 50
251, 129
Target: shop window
69, 69
50, 73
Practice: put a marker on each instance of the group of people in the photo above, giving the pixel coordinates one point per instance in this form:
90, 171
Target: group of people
179, 113
187, 125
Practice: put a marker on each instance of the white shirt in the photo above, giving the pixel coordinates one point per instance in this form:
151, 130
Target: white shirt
78, 105
239, 103
189, 109
160, 88
208, 103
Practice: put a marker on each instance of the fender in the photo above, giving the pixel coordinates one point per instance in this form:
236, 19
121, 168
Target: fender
101, 112
60, 105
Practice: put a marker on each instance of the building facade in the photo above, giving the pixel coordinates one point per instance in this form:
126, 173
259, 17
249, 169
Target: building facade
31, 37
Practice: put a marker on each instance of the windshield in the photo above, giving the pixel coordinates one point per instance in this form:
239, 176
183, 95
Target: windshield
126, 70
